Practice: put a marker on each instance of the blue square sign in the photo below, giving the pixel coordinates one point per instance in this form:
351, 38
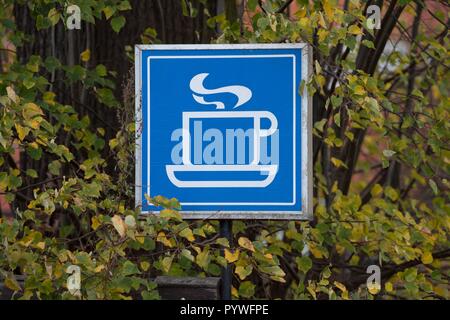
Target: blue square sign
225, 130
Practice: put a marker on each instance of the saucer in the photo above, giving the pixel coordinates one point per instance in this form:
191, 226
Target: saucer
267, 172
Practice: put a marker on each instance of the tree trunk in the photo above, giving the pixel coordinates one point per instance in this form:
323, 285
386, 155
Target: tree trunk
107, 48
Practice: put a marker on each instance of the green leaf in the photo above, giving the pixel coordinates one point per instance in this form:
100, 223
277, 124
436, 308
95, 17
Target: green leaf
34, 151
203, 259
243, 271
124, 5
150, 295
369, 44
410, 274
304, 263
273, 271
391, 193
433, 186
54, 167
223, 242
32, 173
51, 63
54, 16
388, 153
117, 23
101, 71
262, 23
214, 269
129, 268
29, 83
188, 255
246, 289
166, 263
320, 124
336, 101
252, 4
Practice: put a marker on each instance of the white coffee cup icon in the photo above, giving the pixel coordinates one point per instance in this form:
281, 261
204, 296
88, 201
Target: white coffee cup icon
268, 172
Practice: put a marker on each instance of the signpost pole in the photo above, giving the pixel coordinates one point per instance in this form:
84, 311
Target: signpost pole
226, 232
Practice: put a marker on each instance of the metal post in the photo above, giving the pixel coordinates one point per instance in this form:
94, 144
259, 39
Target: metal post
226, 232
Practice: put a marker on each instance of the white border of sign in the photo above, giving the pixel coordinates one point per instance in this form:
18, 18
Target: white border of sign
306, 134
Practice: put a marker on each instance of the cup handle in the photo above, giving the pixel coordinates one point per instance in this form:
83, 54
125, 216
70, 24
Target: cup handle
273, 124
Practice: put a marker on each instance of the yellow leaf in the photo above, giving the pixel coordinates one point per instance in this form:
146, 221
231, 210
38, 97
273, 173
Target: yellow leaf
243, 272
374, 288
354, 30
316, 252
85, 55
320, 79
337, 162
345, 296
166, 263
95, 222
12, 284
71, 256
203, 259
231, 256
318, 67
322, 22
163, 239
40, 245
300, 13
322, 33
49, 98
30, 110
427, 257
140, 239
119, 225
108, 11
187, 234
113, 143
328, 8
12, 95
376, 190
197, 249
334, 188
99, 268
359, 90
234, 292
312, 291
145, 265
21, 131
35, 124
246, 243
340, 286
388, 286
304, 22
340, 249
442, 291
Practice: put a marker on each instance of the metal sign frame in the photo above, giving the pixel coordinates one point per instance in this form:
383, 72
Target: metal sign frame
306, 135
